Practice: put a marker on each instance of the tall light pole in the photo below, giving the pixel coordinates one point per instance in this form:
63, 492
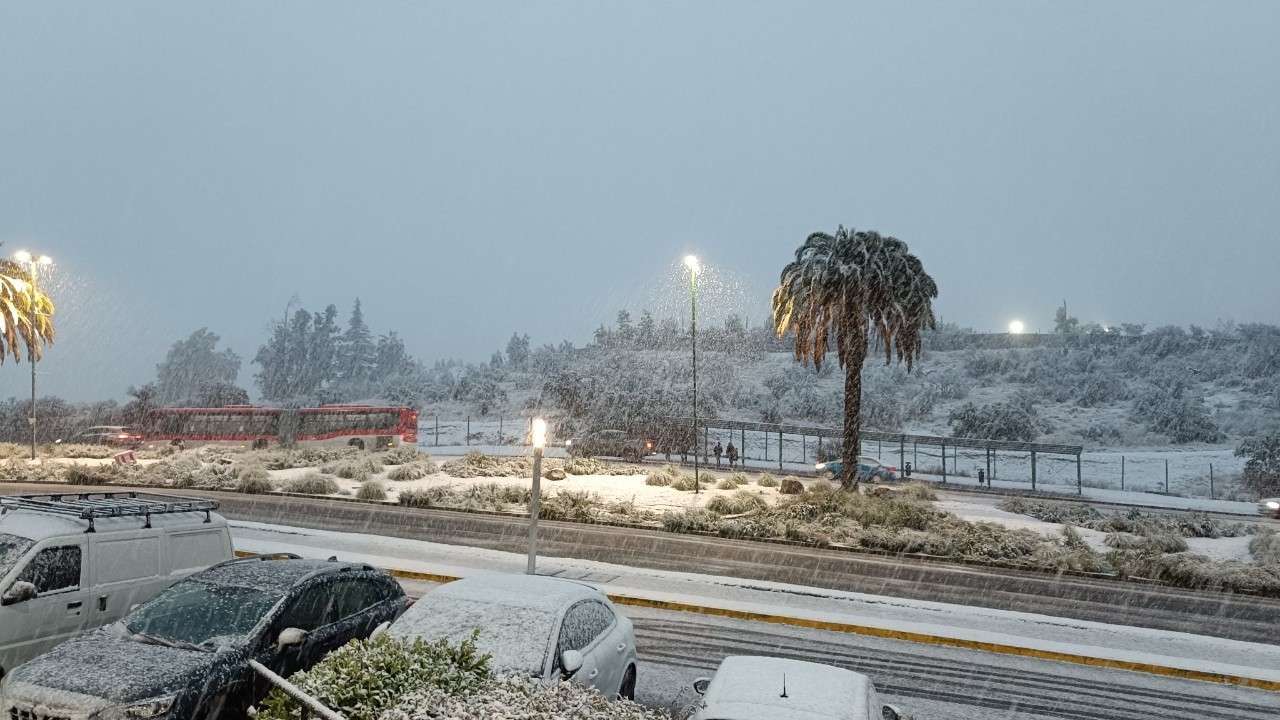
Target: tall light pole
692, 263
33, 263
539, 442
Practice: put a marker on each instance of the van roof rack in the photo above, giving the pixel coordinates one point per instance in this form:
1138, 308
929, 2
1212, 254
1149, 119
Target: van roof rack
90, 505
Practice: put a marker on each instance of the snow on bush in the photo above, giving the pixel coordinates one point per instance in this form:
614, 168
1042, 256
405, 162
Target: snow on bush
1265, 547
685, 483
20, 471
919, 491
727, 484
476, 464
1262, 469
255, 482
767, 480
77, 474
312, 484
1133, 521
1171, 412
365, 680
658, 479
742, 501
426, 497
576, 505
413, 470
1016, 420
371, 490
402, 454
521, 698
357, 467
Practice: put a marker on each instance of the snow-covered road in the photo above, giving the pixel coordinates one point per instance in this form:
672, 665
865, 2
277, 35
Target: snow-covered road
931, 681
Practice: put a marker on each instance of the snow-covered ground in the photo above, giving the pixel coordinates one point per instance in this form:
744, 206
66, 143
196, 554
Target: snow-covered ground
1017, 629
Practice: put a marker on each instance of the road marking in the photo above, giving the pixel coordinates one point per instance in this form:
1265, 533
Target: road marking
904, 635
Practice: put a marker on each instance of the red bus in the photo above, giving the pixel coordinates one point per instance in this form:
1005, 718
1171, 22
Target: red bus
361, 426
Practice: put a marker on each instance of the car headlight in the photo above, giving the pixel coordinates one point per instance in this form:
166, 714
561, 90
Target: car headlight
820, 466
139, 710
567, 443
1274, 505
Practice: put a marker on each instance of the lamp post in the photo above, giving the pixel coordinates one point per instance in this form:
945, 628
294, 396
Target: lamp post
33, 263
539, 442
692, 263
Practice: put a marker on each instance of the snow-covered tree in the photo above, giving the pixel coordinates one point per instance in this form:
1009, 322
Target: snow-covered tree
518, 351
626, 333
1063, 323
646, 330
356, 352
1262, 469
192, 364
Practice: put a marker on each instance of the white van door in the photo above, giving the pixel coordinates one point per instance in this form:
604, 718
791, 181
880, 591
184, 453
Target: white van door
125, 572
58, 612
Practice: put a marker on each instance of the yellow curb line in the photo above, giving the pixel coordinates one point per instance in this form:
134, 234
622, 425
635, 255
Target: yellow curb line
905, 635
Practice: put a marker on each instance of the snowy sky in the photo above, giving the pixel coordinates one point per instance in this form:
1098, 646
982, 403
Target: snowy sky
472, 169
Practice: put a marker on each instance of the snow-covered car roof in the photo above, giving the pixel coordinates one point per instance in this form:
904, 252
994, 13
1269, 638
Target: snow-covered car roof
515, 614
270, 575
36, 525
751, 688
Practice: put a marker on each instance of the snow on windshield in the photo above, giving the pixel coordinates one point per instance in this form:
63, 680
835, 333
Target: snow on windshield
516, 637
196, 613
12, 548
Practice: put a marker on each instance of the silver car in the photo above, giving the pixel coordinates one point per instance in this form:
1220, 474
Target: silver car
1270, 506
549, 628
768, 688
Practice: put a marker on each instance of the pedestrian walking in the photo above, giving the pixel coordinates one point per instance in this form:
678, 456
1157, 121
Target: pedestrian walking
718, 450
732, 452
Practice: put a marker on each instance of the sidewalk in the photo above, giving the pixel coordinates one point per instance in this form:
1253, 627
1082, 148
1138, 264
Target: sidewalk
939, 623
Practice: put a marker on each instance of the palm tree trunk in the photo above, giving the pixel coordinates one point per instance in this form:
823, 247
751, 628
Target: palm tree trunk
855, 354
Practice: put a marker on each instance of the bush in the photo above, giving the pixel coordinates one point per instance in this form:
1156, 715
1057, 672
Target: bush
359, 467
413, 470
523, 697
1265, 547
727, 484
177, 471
495, 496
479, 465
371, 490
738, 503
821, 485
919, 491
402, 454
19, 471
427, 497
585, 466
767, 480
691, 520
106, 474
312, 484
365, 678
684, 483
1015, 420
791, 485
576, 505
255, 483
658, 479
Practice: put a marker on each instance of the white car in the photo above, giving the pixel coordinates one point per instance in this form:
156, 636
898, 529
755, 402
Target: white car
768, 688
1270, 506
549, 628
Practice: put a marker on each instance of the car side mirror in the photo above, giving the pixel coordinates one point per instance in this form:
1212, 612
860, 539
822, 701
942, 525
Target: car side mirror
290, 637
571, 661
700, 685
379, 631
889, 712
20, 591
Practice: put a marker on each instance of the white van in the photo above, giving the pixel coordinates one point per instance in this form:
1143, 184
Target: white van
70, 562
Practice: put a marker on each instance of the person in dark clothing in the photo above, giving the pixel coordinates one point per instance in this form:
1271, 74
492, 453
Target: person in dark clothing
718, 450
732, 452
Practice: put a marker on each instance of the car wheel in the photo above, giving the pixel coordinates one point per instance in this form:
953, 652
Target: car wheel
356, 443
627, 691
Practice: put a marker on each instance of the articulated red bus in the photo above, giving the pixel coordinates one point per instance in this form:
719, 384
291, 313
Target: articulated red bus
248, 426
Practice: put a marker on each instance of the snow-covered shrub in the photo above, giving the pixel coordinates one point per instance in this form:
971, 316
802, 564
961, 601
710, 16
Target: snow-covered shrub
1262, 469
413, 470
585, 466
658, 479
767, 480
684, 483
881, 410
1103, 433
1015, 420
1197, 571
365, 679
426, 497
727, 484
919, 491
312, 484
690, 520
1099, 388
476, 464
357, 467
815, 404
575, 505
77, 474
740, 502
402, 454
1265, 547
213, 476
821, 485
1171, 412
79, 451
19, 471
177, 471
494, 496
521, 698
987, 363
371, 490
254, 483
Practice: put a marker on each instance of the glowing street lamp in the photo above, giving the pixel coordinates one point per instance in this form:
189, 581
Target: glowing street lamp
539, 440
691, 262
1016, 327
32, 263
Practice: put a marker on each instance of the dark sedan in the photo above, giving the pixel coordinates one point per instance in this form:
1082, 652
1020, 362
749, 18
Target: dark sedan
185, 653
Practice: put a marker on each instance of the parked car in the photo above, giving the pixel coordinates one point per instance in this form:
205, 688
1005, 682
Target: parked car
550, 628
868, 469
185, 654
113, 435
769, 688
70, 562
610, 443
1270, 506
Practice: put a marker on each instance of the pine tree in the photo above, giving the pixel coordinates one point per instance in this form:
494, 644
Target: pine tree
518, 351
646, 330
626, 333
357, 348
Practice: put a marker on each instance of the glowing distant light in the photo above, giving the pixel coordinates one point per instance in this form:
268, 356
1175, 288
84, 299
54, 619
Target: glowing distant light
691, 262
539, 433
1015, 327
22, 256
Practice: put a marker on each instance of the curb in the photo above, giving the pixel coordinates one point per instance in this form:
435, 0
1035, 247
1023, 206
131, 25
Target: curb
904, 635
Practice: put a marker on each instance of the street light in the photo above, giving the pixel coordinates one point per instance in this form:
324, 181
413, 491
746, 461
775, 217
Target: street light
691, 262
539, 433
33, 263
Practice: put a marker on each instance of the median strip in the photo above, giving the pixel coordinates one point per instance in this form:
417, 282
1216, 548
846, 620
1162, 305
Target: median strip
904, 635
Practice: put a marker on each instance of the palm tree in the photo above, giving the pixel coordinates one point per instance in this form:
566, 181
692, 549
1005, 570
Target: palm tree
18, 323
850, 285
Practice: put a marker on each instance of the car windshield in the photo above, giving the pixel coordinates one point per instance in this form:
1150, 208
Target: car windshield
12, 548
197, 613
